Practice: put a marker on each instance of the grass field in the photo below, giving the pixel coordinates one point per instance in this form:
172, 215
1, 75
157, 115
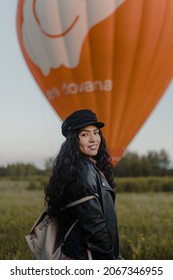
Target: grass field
145, 222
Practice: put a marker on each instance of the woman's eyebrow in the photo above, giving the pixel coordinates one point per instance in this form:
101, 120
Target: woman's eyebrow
89, 130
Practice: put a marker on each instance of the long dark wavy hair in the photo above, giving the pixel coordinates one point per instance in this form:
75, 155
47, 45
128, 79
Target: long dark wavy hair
66, 172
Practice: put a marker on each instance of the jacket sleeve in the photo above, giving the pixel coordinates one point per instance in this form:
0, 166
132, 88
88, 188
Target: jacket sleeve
94, 230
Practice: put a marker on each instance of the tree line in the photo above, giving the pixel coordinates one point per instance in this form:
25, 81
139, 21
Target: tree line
152, 164
130, 165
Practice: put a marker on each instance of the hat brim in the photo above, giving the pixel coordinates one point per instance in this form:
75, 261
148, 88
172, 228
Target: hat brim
97, 124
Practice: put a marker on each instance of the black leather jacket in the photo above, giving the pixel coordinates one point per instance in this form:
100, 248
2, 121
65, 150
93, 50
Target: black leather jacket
96, 228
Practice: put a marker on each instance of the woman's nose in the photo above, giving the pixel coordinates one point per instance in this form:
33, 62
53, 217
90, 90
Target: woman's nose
92, 138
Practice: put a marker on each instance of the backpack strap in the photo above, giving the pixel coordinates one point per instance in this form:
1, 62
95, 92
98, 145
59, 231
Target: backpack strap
89, 253
69, 230
76, 202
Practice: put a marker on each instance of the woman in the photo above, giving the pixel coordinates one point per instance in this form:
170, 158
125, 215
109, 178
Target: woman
83, 168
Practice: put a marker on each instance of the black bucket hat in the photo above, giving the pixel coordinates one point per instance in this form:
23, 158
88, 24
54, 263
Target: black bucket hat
79, 119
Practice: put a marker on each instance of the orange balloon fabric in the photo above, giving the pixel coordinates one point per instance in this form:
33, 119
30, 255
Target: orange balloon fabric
114, 57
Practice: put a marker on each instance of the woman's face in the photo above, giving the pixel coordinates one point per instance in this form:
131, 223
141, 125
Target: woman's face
89, 140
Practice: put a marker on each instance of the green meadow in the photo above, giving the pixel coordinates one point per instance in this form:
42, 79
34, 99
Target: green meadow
145, 222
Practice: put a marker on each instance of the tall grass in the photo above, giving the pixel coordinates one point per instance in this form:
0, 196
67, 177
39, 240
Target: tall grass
18, 210
145, 184
145, 222
145, 225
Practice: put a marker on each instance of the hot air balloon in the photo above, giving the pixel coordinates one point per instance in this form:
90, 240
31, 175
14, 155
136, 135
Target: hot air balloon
114, 57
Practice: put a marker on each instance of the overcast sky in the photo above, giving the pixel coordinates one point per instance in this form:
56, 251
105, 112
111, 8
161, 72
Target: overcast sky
29, 127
